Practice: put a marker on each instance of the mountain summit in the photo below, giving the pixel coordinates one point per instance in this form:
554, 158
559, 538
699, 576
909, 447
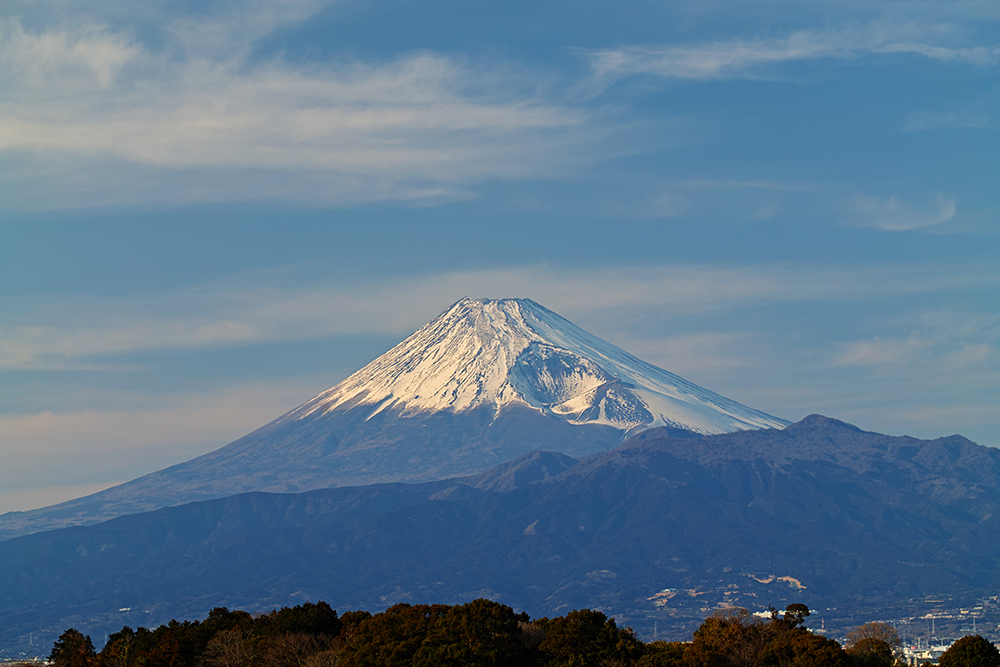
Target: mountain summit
497, 353
483, 383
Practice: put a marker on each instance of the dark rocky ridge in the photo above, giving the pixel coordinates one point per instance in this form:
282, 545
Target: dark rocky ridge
855, 518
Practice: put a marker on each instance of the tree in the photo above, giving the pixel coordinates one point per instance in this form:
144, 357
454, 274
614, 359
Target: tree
801, 648
392, 638
230, 648
663, 654
971, 651
735, 638
588, 637
73, 649
795, 614
292, 649
727, 638
482, 632
308, 618
871, 652
875, 630
873, 644
117, 652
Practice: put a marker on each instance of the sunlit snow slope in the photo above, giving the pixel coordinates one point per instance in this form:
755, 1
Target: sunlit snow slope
484, 383
484, 352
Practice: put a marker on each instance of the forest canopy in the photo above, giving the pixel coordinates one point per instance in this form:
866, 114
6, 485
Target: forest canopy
479, 633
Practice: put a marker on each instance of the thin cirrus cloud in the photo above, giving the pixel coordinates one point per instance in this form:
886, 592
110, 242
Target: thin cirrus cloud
90, 99
72, 334
751, 58
877, 351
893, 215
940, 346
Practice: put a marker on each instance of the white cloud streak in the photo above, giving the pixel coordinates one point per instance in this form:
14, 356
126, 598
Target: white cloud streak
65, 334
420, 126
941, 349
750, 59
882, 351
892, 215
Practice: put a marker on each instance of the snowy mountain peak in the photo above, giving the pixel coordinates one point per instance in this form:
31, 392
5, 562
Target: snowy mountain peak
497, 352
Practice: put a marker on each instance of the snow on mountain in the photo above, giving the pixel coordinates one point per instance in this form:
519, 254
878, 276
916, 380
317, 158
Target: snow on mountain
485, 352
484, 383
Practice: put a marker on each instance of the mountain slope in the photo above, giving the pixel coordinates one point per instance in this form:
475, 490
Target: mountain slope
482, 352
485, 382
658, 529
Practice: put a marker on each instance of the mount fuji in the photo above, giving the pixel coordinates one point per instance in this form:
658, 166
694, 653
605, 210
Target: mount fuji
483, 383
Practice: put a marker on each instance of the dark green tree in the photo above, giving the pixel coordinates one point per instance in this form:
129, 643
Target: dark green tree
392, 638
586, 637
796, 614
73, 649
480, 633
662, 654
308, 618
971, 651
801, 648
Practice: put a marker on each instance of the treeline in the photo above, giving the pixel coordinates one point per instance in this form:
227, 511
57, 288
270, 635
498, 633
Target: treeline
481, 632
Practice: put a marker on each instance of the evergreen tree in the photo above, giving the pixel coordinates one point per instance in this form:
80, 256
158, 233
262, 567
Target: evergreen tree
73, 649
586, 637
971, 651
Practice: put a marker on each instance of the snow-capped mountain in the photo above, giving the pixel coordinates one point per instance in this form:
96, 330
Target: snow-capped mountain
483, 383
495, 353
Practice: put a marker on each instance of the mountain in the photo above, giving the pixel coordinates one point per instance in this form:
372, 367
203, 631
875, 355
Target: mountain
661, 529
486, 381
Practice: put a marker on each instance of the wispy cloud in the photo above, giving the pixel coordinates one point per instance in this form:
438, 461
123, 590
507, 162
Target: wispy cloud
86, 106
939, 345
63, 334
751, 58
878, 351
892, 215
700, 354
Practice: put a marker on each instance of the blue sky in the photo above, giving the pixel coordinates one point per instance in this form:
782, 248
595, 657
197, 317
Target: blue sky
210, 212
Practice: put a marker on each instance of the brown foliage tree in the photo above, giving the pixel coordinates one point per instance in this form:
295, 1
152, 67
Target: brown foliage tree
875, 630
874, 644
734, 638
231, 648
588, 637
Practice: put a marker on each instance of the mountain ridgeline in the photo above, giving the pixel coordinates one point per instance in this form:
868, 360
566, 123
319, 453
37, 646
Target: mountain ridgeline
483, 383
820, 512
